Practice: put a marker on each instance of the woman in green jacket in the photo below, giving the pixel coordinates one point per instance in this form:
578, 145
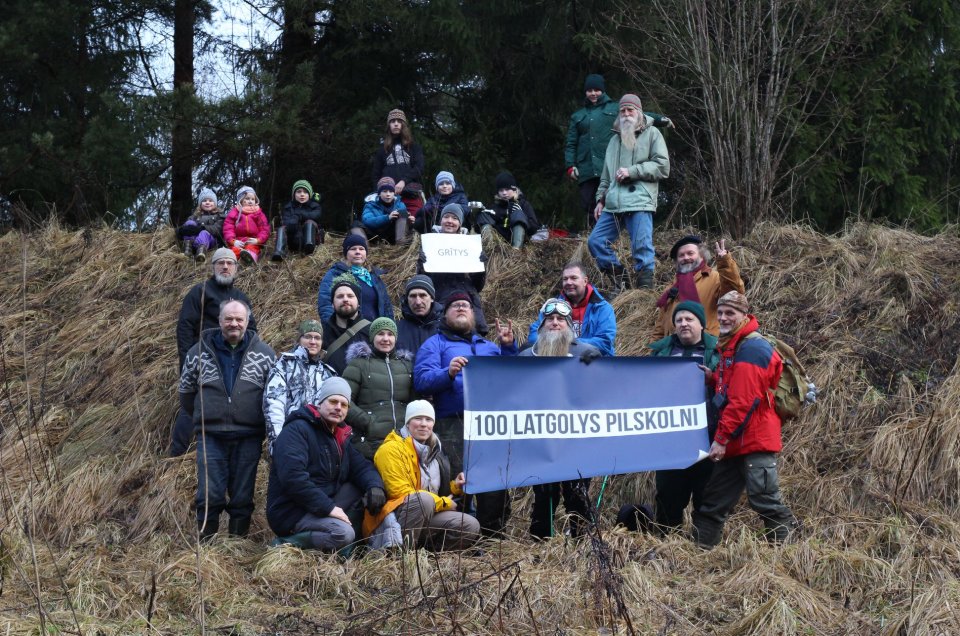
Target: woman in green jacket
381, 380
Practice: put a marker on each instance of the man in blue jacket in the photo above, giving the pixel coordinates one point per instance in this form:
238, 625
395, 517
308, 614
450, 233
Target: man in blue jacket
437, 373
594, 322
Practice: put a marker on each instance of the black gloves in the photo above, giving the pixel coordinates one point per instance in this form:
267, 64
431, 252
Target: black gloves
422, 258
374, 500
590, 355
483, 257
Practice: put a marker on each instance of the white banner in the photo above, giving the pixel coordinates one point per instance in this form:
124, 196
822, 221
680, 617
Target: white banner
452, 253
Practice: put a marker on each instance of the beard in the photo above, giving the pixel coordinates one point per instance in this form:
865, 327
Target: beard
345, 311
628, 129
224, 279
462, 324
689, 267
554, 343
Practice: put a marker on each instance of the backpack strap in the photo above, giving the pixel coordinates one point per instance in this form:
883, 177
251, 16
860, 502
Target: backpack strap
346, 336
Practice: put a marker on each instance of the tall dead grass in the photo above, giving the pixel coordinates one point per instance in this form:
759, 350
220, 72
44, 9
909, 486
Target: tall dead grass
97, 534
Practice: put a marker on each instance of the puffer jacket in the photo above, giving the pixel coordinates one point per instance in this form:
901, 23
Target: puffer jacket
242, 225
599, 326
429, 214
382, 386
238, 413
647, 163
398, 463
745, 381
310, 466
376, 214
293, 382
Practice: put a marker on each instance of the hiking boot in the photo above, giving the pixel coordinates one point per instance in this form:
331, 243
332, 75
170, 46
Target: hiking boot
208, 531
246, 257
643, 279
200, 254
239, 527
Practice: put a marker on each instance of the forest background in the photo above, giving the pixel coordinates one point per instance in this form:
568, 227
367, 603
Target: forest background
814, 110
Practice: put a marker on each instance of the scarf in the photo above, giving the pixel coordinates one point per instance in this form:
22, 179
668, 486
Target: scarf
362, 274
725, 340
685, 286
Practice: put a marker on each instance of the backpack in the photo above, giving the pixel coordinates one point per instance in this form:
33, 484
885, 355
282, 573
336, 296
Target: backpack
794, 389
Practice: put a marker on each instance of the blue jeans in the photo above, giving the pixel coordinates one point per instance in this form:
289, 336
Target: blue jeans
226, 466
607, 230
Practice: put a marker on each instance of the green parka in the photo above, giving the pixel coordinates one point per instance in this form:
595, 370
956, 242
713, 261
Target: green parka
647, 163
381, 385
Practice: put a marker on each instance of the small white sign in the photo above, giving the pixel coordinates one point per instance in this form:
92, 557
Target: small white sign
452, 253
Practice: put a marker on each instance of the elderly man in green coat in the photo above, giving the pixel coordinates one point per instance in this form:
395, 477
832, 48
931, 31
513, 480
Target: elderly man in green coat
588, 134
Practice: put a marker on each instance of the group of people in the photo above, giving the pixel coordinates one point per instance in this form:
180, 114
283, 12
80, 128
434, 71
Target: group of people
364, 414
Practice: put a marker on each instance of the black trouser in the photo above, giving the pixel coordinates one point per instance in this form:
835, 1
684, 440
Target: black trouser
675, 489
757, 473
588, 199
576, 501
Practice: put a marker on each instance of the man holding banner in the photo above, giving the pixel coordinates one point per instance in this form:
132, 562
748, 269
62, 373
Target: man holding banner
748, 436
438, 373
558, 339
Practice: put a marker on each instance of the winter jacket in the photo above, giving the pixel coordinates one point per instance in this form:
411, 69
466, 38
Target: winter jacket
505, 214
745, 381
663, 347
294, 213
589, 133
239, 226
293, 381
381, 308
201, 311
413, 330
647, 163
331, 332
429, 214
400, 164
430, 376
599, 326
376, 214
310, 465
711, 285
241, 411
382, 385
398, 463
471, 284
212, 223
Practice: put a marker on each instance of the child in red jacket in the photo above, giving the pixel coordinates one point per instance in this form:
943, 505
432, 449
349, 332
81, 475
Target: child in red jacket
246, 228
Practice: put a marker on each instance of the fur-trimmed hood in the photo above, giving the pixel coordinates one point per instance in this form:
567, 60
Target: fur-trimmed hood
364, 350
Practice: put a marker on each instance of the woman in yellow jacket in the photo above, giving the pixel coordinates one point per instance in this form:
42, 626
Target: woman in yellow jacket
416, 477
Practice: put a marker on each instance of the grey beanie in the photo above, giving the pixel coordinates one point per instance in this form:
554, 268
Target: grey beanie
455, 209
421, 281
223, 253
333, 386
205, 194
244, 190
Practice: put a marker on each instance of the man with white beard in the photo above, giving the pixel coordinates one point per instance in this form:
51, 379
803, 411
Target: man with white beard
201, 311
557, 339
697, 282
636, 160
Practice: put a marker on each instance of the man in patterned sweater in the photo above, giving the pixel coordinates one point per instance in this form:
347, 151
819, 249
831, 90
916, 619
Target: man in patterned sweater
222, 386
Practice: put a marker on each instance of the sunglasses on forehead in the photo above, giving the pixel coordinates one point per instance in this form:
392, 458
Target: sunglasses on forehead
554, 307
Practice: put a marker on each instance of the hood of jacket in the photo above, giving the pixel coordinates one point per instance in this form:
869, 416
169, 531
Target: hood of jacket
364, 350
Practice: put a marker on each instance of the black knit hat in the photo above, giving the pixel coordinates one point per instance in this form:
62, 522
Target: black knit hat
504, 180
352, 240
594, 82
686, 240
421, 281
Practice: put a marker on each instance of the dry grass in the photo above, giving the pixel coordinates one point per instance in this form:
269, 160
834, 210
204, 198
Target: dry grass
97, 532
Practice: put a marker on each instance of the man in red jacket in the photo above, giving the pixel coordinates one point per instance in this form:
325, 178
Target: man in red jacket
748, 434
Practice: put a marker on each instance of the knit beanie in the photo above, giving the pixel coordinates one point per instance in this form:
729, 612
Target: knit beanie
442, 176
421, 281
594, 82
245, 190
455, 296
694, 308
333, 386
310, 325
554, 304
205, 194
224, 253
352, 240
386, 183
686, 240
631, 99
419, 408
504, 181
455, 209
383, 323
396, 113
348, 280
302, 183
736, 300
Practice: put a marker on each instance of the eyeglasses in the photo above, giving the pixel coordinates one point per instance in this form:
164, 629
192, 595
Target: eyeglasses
557, 307
310, 338
461, 305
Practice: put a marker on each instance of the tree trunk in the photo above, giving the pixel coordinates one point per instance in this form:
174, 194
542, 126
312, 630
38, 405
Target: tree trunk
181, 153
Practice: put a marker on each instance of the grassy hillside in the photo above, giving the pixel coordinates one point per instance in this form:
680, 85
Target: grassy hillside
97, 531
